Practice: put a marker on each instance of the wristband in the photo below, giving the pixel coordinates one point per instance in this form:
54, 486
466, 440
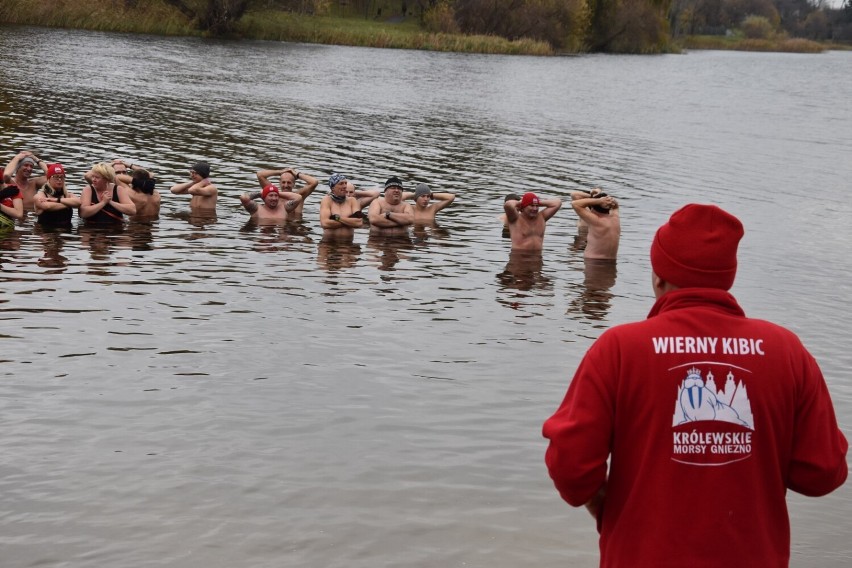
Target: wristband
335, 217
387, 215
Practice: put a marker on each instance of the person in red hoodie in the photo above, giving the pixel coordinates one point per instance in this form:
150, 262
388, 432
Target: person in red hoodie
706, 417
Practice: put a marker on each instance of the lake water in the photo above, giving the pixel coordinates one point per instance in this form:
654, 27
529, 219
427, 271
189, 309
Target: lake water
202, 393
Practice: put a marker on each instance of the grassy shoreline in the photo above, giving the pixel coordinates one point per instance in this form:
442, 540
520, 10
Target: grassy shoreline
407, 34
783, 45
156, 18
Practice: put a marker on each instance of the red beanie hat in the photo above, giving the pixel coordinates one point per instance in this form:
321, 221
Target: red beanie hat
55, 169
697, 248
267, 190
528, 199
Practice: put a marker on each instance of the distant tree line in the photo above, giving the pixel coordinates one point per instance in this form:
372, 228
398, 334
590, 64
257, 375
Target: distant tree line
810, 19
614, 26
638, 26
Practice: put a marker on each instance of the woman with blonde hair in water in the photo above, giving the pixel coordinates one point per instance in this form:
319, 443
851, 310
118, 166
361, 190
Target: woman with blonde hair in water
104, 202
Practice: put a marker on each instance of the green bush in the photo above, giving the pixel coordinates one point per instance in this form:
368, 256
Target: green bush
757, 27
441, 18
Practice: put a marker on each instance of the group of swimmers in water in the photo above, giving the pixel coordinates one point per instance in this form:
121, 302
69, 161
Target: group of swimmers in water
118, 190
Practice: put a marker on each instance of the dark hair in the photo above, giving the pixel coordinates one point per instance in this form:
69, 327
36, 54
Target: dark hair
601, 208
142, 181
511, 197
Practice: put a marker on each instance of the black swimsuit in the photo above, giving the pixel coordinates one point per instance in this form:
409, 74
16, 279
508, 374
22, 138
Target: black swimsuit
109, 215
60, 218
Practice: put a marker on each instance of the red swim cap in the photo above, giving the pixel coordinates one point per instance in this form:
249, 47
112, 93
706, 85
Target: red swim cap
528, 199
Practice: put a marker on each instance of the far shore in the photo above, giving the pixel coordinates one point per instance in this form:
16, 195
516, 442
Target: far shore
393, 32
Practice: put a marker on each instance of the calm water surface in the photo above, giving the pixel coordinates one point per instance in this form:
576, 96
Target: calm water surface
198, 392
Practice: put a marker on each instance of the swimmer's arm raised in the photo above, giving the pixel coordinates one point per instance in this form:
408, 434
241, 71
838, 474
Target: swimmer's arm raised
248, 203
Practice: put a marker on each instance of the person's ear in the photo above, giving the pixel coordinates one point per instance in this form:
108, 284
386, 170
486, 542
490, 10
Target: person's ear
659, 285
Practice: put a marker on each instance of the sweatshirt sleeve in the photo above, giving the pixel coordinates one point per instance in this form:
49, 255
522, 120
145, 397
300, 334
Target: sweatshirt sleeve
580, 432
818, 459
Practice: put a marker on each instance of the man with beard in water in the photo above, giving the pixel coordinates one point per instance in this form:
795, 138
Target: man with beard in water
340, 214
287, 178
272, 210
526, 223
389, 215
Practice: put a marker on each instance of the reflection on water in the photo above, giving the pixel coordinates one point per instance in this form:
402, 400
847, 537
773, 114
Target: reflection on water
229, 394
422, 234
333, 255
581, 239
200, 219
141, 234
52, 243
10, 240
594, 298
386, 251
523, 272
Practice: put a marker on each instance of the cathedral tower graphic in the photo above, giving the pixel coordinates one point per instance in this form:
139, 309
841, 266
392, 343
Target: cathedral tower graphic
700, 399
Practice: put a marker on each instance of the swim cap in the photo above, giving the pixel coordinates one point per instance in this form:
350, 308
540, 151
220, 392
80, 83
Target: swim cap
393, 182
528, 199
422, 189
335, 179
267, 190
202, 169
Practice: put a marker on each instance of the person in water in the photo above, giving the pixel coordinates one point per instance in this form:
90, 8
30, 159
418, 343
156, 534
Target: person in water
287, 178
143, 193
274, 209
598, 214
11, 204
340, 214
509, 197
363, 196
20, 168
526, 223
54, 204
424, 209
103, 201
389, 215
202, 190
